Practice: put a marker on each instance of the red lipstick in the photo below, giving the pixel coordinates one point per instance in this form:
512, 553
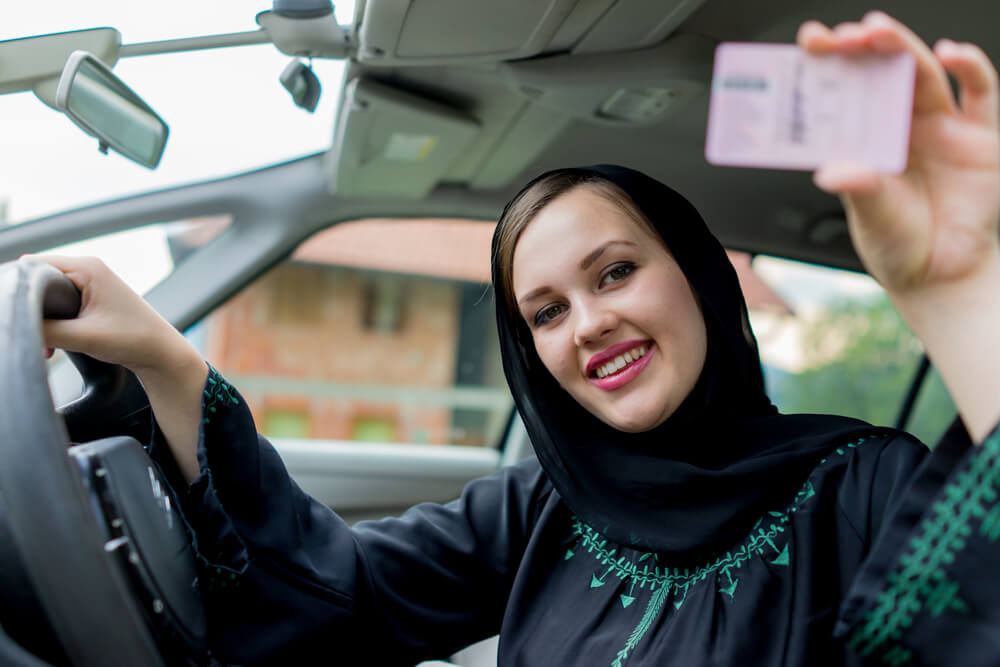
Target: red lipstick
623, 376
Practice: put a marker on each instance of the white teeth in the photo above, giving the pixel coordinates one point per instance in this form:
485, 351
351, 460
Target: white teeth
620, 362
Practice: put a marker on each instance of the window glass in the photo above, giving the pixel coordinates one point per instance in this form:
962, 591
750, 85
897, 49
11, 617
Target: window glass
226, 108
144, 256
837, 345
374, 331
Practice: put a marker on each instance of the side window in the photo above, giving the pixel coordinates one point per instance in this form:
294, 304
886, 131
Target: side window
373, 331
834, 343
144, 256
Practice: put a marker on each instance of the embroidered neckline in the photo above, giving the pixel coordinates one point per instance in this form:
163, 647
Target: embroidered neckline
919, 581
766, 539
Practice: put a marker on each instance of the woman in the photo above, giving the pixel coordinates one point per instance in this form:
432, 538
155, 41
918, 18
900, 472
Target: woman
674, 517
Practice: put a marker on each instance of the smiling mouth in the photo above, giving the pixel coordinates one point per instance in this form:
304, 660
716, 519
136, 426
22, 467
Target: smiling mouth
621, 362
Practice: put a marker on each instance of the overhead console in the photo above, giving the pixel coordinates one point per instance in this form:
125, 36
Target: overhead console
523, 70
422, 32
430, 32
624, 88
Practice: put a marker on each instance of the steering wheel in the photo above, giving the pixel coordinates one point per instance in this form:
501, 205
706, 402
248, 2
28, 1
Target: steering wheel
96, 567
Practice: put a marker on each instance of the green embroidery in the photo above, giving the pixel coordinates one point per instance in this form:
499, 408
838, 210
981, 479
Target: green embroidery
990, 527
919, 581
782, 558
218, 393
652, 609
215, 579
664, 582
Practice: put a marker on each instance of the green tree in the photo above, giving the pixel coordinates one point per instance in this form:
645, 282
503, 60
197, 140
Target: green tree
861, 358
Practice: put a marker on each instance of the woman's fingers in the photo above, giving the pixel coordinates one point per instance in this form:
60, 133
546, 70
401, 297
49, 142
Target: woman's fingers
880, 33
815, 37
932, 93
68, 263
80, 270
63, 334
977, 80
847, 179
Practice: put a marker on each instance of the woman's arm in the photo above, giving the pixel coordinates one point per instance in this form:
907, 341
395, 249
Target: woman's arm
286, 580
927, 592
116, 325
930, 235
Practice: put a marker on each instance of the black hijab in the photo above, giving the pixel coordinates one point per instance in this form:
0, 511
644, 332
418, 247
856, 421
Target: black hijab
696, 484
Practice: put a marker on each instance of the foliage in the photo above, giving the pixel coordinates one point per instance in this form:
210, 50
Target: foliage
861, 358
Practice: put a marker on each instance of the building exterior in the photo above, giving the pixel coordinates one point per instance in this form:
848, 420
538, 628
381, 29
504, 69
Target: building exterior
374, 331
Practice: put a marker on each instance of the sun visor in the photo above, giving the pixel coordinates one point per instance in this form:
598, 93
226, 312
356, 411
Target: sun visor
417, 32
392, 143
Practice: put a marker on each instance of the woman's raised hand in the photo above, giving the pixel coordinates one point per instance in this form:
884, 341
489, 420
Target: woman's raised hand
938, 221
930, 235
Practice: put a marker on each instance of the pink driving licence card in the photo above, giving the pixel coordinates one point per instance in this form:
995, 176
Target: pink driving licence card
774, 106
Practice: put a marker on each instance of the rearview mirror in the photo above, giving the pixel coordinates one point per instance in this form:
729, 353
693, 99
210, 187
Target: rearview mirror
103, 106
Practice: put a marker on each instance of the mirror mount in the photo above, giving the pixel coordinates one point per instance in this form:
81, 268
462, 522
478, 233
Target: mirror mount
306, 35
103, 106
34, 63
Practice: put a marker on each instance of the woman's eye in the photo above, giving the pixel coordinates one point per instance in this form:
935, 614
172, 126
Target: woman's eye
547, 314
617, 273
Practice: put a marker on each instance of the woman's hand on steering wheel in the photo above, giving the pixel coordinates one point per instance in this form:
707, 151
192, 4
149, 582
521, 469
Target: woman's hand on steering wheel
117, 326
114, 324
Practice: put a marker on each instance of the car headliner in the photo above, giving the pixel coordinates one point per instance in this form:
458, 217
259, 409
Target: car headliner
774, 212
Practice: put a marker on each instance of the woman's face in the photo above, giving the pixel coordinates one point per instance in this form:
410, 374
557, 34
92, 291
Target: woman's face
612, 315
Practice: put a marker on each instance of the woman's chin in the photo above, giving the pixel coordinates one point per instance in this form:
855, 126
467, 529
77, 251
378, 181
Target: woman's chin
634, 423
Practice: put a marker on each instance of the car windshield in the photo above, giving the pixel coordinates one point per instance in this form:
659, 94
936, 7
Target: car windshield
242, 119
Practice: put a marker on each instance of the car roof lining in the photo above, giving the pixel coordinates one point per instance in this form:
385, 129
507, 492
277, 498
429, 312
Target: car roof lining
758, 211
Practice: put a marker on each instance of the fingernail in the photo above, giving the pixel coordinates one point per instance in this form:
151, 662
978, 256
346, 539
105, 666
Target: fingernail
944, 43
875, 15
821, 178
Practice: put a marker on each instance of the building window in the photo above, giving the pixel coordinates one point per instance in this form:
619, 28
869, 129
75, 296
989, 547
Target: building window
285, 424
382, 303
374, 429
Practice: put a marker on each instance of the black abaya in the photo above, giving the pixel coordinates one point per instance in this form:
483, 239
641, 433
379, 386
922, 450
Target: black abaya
729, 535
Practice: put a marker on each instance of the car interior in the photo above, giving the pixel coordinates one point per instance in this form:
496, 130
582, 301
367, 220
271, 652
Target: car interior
444, 110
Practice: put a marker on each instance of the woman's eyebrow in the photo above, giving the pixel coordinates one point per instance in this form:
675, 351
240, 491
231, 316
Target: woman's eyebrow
587, 261
533, 294
585, 264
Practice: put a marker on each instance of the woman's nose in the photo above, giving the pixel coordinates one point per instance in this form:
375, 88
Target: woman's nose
592, 323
